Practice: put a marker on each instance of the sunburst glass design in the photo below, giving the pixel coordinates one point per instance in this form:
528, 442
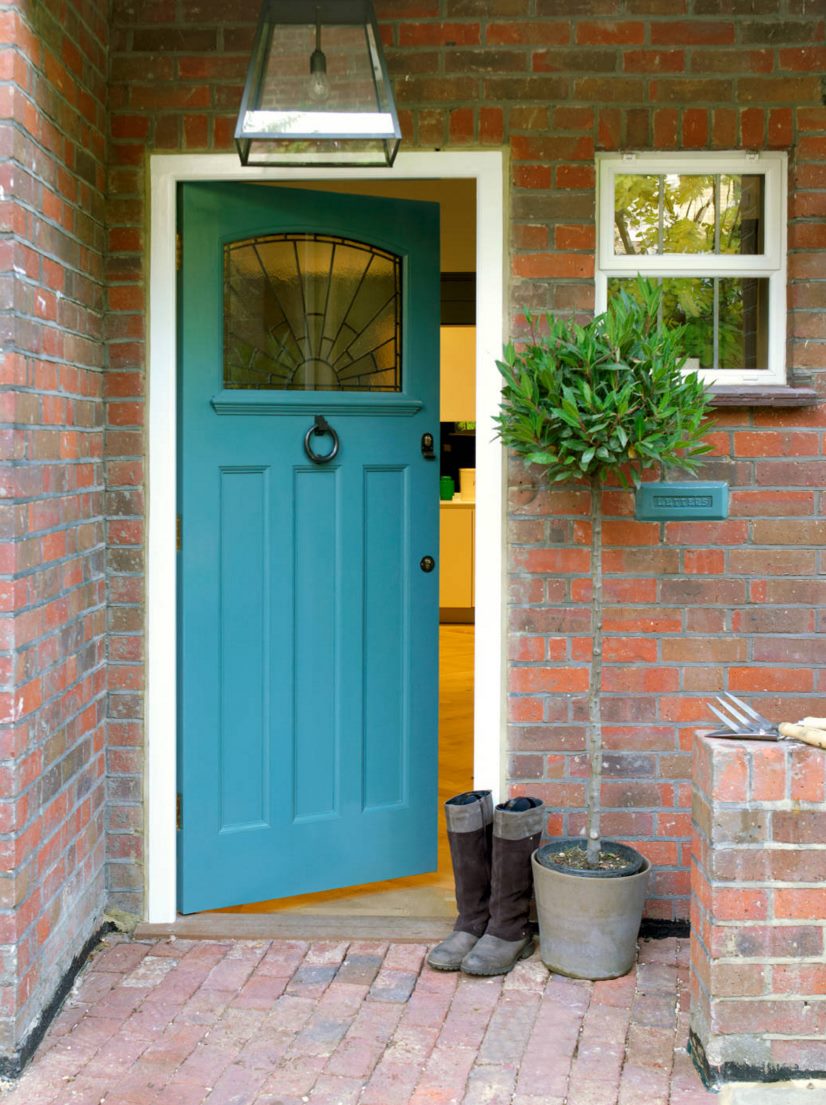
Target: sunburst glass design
311, 312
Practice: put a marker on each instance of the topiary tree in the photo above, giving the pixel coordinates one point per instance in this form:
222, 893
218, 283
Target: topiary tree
602, 402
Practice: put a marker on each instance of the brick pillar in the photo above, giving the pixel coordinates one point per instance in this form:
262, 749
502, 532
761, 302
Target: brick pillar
758, 923
52, 527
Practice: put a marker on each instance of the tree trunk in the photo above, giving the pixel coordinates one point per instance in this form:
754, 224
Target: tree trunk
594, 742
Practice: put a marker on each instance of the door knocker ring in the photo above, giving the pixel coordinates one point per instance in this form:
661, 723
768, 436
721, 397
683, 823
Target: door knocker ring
318, 429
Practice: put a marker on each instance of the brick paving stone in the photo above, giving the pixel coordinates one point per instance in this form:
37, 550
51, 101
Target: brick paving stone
259, 992
365, 1023
237, 1086
381, 948
355, 1058
656, 978
510, 1028
336, 1090
117, 1055
235, 1027
391, 1083
119, 955
180, 1092
282, 957
593, 1093
650, 1048
175, 946
615, 991
359, 970
376, 1022
205, 1006
660, 951
207, 951
534, 1099
405, 957
342, 999
319, 1037
393, 986
571, 993
490, 1085
207, 1063
470, 1012
230, 973
180, 983
654, 1009
296, 1076
528, 974
311, 981
326, 953
291, 1013
444, 1077
643, 1084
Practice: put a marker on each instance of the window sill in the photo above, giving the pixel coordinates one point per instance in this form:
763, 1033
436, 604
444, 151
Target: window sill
759, 396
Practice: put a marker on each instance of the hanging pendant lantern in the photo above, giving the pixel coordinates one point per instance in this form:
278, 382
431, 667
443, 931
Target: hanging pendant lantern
317, 89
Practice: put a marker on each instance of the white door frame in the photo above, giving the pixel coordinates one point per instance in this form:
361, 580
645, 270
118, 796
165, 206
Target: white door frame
166, 171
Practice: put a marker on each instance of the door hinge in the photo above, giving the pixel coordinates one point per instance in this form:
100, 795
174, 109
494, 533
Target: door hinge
179, 812
179, 250
178, 538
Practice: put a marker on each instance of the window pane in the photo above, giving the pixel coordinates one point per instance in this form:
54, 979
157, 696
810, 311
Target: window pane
743, 320
689, 302
637, 214
688, 213
725, 319
741, 214
311, 312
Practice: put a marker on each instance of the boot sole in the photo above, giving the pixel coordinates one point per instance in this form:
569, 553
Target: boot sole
526, 952
441, 967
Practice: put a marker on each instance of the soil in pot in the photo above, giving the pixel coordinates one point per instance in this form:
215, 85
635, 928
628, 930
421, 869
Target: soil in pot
570, 854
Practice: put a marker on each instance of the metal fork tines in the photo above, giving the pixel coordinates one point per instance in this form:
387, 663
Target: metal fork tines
741, 718
762, 722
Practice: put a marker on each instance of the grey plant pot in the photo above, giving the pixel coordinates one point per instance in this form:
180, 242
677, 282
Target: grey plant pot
588, 927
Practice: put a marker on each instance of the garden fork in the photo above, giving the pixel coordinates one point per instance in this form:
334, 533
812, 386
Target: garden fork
741, 720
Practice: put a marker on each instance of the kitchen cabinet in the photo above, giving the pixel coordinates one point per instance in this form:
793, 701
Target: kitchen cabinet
458, 374
456, 558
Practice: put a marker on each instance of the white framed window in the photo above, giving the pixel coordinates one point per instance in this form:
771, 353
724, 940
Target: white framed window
712, 228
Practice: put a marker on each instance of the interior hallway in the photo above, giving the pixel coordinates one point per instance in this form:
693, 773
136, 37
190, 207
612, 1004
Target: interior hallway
420, 895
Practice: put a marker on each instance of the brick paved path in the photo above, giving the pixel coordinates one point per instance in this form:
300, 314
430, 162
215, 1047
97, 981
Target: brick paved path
183, 1022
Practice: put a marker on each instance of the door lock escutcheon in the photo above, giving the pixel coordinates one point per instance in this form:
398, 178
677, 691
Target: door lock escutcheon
427, 564
427, 447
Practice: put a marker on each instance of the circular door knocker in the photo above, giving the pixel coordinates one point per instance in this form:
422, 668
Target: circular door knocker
318, 429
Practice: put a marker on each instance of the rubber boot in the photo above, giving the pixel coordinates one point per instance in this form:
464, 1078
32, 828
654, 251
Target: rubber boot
517, 829
469, 818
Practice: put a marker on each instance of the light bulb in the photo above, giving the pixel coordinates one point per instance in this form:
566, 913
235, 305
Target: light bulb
319, 81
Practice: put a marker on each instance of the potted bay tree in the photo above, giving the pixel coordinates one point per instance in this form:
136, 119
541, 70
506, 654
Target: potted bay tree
598, 404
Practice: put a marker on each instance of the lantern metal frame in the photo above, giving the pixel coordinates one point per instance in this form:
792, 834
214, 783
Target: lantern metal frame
280, 135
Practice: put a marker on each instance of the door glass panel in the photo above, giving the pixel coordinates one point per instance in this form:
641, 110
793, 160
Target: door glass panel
311, 312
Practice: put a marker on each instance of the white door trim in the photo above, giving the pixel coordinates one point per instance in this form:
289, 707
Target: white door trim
166, 171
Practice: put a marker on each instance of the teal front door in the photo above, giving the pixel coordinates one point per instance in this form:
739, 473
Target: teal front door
308, 574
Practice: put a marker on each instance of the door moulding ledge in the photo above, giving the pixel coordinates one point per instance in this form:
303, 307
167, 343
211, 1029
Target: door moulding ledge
166, 171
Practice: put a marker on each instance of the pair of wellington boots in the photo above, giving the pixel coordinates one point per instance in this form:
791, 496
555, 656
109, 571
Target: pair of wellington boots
491, 853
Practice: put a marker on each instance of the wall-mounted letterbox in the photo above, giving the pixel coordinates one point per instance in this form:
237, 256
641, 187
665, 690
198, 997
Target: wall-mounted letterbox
693, 500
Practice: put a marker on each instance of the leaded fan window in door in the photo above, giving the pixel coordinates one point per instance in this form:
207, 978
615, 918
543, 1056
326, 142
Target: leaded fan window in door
311, 312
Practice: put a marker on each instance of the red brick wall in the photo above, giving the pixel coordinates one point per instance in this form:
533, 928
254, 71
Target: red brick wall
52, 621
695, 607
758, 920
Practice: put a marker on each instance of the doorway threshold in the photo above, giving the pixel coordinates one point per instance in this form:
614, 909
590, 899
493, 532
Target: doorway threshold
298, 926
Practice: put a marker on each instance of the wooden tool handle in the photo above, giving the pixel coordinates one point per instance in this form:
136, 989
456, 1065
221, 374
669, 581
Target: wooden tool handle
806, 733
814, 722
